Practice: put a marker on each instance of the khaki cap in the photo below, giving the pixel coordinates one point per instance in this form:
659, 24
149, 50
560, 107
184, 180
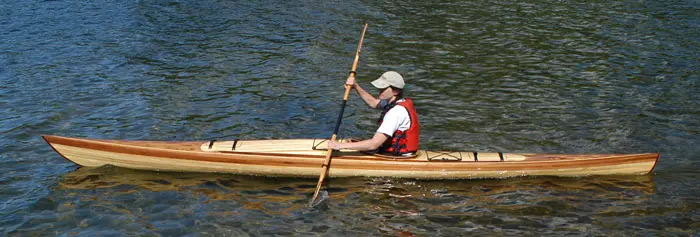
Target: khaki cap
390, 78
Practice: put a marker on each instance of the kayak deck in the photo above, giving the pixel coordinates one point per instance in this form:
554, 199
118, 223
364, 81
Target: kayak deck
303, 158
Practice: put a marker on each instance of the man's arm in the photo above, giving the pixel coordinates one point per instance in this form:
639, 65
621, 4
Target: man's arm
371, 101
364, 145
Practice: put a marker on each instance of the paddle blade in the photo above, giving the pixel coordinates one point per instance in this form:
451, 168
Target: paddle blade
322, 196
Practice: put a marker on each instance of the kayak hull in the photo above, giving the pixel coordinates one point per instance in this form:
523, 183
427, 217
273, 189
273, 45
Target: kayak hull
304, 157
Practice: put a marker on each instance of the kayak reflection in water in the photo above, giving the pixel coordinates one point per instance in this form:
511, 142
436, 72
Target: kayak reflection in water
399, 129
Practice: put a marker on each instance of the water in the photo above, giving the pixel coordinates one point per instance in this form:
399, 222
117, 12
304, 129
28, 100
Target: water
512, 76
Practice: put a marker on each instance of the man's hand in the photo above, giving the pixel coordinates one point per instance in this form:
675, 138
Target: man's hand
334, 145
350, 81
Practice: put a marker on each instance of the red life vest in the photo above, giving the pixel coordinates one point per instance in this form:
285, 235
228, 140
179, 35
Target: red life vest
402, 142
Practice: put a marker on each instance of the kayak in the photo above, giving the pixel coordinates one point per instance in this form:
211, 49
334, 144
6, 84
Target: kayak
304, 157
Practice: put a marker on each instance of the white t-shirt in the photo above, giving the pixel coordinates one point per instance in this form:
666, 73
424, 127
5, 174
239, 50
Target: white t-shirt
396, 119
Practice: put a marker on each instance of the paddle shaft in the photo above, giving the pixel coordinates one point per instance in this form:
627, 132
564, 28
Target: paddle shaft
327, 163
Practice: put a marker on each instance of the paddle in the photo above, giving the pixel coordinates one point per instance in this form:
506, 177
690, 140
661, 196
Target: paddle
327, 163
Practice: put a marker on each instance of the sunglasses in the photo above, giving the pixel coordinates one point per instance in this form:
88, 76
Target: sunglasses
383, 89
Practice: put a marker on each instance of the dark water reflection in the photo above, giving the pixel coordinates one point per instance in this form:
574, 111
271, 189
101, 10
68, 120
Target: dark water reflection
512, 76
127, 201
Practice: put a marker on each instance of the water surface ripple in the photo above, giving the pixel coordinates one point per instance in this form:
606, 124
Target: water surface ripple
512, 76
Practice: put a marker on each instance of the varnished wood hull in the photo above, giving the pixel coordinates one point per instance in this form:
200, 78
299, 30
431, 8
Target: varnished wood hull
303, 158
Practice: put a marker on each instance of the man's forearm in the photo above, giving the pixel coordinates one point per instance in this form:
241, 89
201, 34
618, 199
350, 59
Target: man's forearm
366, 96
365, 145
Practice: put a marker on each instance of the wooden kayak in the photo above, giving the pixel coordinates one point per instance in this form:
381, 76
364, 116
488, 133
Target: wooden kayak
303, 158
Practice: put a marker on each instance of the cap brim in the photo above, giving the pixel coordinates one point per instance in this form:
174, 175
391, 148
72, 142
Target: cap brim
381, 84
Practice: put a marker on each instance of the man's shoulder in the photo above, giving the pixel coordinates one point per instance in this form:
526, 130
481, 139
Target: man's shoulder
398, 110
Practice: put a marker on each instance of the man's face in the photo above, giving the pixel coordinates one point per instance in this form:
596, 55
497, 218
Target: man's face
386, 93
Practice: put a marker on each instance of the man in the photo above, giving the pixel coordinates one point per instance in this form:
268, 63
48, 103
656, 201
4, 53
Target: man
399, 129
